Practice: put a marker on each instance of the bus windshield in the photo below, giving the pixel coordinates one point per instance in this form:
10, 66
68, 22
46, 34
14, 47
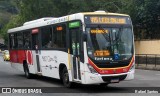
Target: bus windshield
111, 44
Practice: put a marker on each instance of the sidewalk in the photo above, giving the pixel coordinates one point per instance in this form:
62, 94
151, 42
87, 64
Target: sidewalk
148, 67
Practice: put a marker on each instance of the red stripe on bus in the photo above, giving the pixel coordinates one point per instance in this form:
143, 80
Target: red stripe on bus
116, 70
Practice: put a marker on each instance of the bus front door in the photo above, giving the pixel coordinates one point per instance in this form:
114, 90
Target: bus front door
36, 52
75, 51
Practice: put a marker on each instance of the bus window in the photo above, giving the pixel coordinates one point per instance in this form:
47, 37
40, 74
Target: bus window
13, 41
11, 36
46, 37
20, 39
59, 36
27, 40
35, 41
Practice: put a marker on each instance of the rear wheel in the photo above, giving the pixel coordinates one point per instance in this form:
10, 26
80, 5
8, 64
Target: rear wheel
26, 71
65, 78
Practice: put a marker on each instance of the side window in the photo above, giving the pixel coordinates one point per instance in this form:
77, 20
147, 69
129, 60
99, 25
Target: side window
59, 36
46, 34
13, 40
12, 43
27, 39
20, 40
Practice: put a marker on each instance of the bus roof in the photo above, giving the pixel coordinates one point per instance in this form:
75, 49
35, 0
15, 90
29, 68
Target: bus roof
103, 13
51, 20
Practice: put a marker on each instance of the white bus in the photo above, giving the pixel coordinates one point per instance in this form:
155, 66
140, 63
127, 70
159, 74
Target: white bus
87, 48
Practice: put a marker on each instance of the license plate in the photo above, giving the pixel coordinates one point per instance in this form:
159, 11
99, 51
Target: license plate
114, 80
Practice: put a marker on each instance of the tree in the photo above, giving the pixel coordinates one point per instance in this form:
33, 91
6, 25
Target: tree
145, 17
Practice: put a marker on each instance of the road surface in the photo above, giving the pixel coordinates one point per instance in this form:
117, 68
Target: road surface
10, 77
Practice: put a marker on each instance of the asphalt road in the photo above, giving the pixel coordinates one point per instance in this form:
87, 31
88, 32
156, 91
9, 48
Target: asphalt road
10, 77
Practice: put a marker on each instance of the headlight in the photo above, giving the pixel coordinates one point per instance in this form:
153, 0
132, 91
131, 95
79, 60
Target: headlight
92, 70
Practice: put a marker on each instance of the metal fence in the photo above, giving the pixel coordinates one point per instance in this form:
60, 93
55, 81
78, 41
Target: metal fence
147, 60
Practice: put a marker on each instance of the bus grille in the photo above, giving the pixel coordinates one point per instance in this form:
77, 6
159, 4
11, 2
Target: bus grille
109, 78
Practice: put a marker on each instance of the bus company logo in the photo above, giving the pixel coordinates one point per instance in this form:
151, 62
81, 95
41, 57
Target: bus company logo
29, 57
58, 20
6, 90
21, 90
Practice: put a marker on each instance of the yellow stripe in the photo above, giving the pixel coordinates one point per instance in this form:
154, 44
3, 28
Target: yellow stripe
69, 59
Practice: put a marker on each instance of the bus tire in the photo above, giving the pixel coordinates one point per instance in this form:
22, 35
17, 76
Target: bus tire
65, 78
26, 71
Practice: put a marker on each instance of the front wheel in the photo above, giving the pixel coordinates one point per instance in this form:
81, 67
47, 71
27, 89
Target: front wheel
65, 78
26, 71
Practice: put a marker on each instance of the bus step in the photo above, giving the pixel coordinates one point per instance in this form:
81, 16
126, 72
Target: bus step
77, 80
39, 73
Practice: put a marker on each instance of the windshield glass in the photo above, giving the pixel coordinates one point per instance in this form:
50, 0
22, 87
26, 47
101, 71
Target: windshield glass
109, 43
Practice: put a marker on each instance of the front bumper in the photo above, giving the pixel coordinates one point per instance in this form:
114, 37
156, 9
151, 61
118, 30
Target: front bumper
98, 78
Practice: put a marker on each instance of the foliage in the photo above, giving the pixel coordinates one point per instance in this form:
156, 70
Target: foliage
7, 9
13, 23
147, 17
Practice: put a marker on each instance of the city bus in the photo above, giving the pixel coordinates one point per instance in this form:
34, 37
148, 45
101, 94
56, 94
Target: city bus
86, 48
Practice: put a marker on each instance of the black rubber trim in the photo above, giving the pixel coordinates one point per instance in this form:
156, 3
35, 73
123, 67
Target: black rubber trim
109, 78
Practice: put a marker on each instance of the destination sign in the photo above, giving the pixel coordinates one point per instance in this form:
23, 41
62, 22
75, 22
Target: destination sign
101, 53
107, 20
98, 31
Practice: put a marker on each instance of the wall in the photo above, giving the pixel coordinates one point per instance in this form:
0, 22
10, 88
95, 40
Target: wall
147, 47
